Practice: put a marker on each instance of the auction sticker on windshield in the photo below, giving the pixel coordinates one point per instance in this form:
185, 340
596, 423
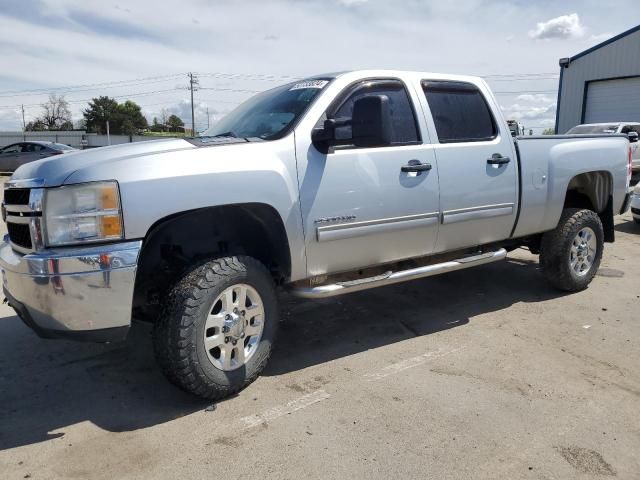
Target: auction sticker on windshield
309, 84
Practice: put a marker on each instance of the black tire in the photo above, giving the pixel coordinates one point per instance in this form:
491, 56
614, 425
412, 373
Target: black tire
179, 333
555, 251
637, 220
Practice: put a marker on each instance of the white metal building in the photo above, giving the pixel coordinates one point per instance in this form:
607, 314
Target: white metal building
601, 84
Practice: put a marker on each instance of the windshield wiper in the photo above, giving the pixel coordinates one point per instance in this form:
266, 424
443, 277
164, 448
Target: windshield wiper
225, 134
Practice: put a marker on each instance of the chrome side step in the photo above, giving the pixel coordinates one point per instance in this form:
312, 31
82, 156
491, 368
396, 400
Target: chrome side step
388, 278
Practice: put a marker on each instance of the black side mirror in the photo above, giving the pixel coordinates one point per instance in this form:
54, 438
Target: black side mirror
633, 137
324, 137
371, 121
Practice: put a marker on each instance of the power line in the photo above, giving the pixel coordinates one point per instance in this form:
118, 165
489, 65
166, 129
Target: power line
88, 86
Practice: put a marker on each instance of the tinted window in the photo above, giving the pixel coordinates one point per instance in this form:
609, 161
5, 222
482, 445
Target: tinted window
12, 148
599, 128
403, 120
60, 146
630, 128
460, 112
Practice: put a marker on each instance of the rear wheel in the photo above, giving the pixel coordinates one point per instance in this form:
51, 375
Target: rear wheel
570, 254
217, 329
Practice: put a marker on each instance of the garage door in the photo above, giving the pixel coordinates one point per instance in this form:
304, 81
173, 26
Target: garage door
613, 100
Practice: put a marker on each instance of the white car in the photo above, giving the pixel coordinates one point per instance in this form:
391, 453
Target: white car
613, 127
635, 203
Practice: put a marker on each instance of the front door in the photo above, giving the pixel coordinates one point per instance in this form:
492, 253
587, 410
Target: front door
477, 166
359, 207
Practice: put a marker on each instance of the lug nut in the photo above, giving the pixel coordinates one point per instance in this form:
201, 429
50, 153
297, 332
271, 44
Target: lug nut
226, 339
235, 310
242, 335
227, 317
243, 313
234, 342
225, 329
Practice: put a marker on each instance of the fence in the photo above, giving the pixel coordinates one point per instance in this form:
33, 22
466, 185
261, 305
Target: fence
74, 138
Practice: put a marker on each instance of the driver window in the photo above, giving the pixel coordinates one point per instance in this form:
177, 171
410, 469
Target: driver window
403, 121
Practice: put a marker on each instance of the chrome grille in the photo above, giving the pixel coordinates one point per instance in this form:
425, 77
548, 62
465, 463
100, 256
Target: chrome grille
17, 196
22, 210
20, 234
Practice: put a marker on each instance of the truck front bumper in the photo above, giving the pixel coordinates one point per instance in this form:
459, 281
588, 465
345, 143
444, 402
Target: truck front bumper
82, 293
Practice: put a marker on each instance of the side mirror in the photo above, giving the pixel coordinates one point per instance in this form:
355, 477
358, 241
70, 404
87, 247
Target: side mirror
633, 137
324, 137
371, 121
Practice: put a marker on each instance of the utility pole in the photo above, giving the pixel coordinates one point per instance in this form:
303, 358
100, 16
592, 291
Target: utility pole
24, 125
193, 85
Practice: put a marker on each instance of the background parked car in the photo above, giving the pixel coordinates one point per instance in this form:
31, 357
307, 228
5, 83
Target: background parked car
635, 204
16, 154
613, 127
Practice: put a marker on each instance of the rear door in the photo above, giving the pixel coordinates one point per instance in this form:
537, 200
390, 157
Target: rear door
477, 166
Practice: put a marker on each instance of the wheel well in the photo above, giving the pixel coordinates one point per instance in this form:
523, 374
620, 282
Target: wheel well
589, 190
592, 190
176, 243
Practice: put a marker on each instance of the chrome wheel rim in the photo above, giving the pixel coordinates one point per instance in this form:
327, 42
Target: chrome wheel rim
234, 327
583, 251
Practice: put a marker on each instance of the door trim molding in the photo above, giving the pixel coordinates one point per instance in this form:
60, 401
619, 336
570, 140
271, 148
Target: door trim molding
343, 231
474, 213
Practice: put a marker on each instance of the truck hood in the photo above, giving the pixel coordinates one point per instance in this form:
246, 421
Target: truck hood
55, 170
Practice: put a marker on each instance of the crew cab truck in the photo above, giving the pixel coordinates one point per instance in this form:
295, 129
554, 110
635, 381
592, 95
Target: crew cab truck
324, 186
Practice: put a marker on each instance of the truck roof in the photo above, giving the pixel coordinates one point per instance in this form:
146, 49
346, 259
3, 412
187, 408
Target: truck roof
400, 73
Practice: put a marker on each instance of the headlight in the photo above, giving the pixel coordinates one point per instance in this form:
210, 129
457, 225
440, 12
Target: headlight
88, 212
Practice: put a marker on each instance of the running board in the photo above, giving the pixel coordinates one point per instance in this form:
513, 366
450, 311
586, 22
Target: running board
388, 278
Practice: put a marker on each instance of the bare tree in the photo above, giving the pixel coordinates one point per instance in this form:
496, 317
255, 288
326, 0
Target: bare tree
164, 117
56, 114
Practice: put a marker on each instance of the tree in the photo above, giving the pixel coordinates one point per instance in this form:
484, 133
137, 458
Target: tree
56, 114
124, 119
549, 131
174, 122
132, 119
36, 125
101, 110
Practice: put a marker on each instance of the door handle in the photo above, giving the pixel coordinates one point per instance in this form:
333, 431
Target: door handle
416, 167
497, 159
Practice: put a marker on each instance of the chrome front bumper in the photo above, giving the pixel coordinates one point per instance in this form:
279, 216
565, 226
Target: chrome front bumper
84, 293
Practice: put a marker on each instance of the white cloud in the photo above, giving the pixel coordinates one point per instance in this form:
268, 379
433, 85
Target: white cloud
537, 98
564, 27
601, 37
348, 3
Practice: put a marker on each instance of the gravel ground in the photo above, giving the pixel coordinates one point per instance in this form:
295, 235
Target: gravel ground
484, 373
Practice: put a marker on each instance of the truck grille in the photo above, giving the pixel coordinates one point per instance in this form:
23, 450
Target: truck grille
22, 208
20, 235
17, 196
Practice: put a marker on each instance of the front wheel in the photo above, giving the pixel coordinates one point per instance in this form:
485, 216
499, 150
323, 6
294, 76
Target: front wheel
570, 254
215, 334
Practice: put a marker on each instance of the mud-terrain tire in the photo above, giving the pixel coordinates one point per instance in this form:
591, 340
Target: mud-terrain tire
201, 319
570, 254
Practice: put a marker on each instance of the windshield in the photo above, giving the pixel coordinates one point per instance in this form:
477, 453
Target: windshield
60, 146
269, 115
602, 128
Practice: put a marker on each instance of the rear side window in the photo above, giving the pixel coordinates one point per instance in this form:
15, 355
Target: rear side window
460, 112
403, 120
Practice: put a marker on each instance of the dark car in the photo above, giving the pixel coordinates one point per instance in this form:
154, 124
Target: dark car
16, 154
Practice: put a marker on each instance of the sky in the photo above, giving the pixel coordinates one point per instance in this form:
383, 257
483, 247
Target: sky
142, 50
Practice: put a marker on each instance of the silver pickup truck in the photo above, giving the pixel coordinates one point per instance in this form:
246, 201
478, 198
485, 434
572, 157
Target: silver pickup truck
325, 186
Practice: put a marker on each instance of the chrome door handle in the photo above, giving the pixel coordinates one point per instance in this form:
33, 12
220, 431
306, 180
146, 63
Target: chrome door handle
497, 159
416, 167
